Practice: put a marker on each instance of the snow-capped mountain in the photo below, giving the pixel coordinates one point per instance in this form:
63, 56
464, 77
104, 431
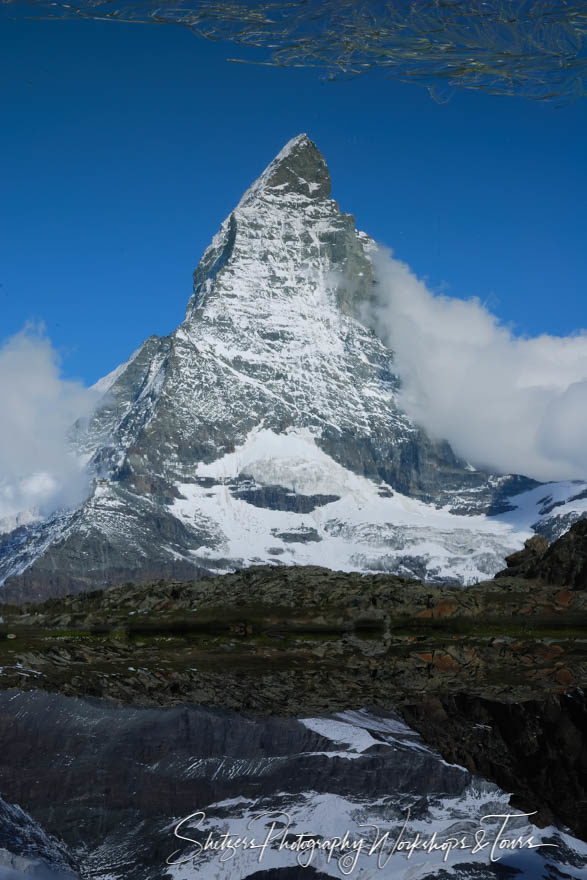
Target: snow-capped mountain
266, 428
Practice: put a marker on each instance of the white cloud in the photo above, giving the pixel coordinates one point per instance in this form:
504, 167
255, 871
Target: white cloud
505, 403
38, 472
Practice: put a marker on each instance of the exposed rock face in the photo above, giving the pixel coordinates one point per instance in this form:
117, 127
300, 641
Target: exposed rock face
537, 749
564, 562
522, 562
270, 410
26, 850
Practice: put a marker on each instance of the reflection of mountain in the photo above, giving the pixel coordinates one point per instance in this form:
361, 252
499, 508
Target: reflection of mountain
126, 776
266, 428
26, 850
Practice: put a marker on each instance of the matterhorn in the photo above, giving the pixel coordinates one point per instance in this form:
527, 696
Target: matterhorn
266, 429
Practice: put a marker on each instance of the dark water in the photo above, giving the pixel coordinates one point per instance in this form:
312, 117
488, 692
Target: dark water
114, 783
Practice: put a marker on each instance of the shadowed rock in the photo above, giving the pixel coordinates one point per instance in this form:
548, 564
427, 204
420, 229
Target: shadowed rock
564, 562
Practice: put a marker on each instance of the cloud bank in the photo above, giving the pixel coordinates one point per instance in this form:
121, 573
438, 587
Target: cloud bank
38, 471
505, 403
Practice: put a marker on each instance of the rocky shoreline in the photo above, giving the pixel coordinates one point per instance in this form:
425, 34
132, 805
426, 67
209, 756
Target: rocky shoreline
294, 640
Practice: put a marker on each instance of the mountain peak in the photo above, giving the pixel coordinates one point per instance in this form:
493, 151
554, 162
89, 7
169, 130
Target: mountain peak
298, 169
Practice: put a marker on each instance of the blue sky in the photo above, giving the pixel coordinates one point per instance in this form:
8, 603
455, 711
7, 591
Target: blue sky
124, 147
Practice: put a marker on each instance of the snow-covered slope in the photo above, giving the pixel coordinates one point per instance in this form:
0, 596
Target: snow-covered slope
328, 515
266, 427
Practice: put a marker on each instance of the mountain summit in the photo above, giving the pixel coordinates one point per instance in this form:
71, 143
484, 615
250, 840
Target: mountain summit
266, 427
300, 168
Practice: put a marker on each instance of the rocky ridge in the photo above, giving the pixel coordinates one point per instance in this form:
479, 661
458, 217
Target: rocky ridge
564, 562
